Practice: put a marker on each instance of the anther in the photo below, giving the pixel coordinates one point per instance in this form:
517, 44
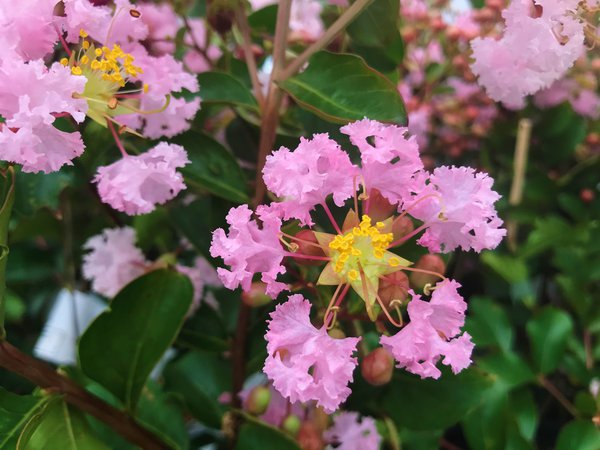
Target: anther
113, 103
134, 13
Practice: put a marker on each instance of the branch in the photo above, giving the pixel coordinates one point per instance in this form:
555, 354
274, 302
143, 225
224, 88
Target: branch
558, 395
342, 22
244, 27
43, 375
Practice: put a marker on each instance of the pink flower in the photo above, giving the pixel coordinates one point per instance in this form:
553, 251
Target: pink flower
308, 175
305, 363
30, 95
136, 184
305, 18
27, 28
113, 261
547, 46
84, 15
163, 24
249, 249
351, 432
390, 162
458, 206
194, 60
163, 75
432, 334
202, 275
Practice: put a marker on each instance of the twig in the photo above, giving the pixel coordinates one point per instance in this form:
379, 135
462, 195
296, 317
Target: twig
43, 375
342, 22
244, 27
518, 181
558, 395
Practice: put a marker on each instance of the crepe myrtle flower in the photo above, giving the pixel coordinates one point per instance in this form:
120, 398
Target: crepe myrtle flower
453, 207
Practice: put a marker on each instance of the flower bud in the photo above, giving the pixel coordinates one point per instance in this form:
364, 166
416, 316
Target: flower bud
336, 333
377, 367
220, 14
309, 437
431, 263
258, 400
379, 207
587, 195
291, 424
256, 296
393, 287
308, 247
402, 226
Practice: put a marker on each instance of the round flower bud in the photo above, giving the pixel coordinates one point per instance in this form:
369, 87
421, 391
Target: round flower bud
220, 14
308, 247
377, 367
587, 195
393, 287
379, 207
402, 226
431, 263
336, 333
309, 437
258, 400
291, 424
256, 296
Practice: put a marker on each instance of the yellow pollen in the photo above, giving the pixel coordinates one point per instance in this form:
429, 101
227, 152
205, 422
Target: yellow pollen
76, 70
64, 61
83, 33
359, 246
84, 59
394, 262
85, 44
98, 52
145, 88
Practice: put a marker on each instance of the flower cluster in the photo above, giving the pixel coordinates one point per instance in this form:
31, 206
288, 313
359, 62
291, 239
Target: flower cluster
453, 207
105, 71
113, 260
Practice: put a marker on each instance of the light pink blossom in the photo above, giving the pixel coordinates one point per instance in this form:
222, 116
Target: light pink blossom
194, 60
317, 168
163, 24
305, 17
458, 205
389, 163
30, 95
202, 275
249, 249
432, 334
136, 184
547, 46
304, 362
113, 260
351, 432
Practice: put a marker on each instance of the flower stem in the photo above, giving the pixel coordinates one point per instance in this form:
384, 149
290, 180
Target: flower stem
244, 27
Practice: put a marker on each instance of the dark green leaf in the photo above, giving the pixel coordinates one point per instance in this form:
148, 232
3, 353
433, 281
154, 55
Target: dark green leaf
59, 427
488, 324
342, 88
220, 87
548, 336
212, 167
258, 436
15, 412
7, 199
579, 435
410, 400
39, 190
200, 378
122, 346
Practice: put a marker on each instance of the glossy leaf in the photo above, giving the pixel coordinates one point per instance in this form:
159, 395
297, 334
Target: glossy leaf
548, 335
212, 167
122, 346
580, 435
15, 412
220, 87
342, 88
489, 324
259, 436
7, 199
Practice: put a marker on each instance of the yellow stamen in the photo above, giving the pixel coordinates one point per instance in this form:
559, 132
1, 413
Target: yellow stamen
76, 70
83, 33
85, 44
64, 61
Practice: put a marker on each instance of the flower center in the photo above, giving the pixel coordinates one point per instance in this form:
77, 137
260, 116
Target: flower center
362, 249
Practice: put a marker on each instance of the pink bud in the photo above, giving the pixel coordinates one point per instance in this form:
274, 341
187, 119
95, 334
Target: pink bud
377, 367
308, 247
309, 437
258, 400
291, 424
256, 296
431, 263
402, 226
393, 287
379, 207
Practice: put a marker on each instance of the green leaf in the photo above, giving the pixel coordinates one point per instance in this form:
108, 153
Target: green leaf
122, 346
511, 269
7, 199
259, 436
488, 324
410, 400
212, 167
40, 190
580, 435
550, 232
59, 427
548, 336
376, 37
508, 367
220, 87
15, 412
342, 88
200, 378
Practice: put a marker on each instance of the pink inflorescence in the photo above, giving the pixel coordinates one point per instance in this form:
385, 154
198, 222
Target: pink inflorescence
389, 198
